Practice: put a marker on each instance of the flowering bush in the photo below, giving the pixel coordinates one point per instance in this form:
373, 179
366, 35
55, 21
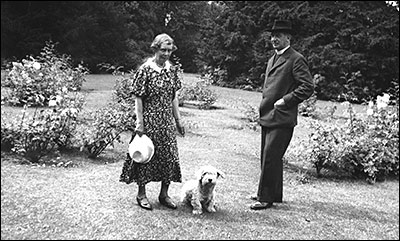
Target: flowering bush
37, 80
373, 142
104, 127
365, 147
8, 134
199, 92
123, 99
46, 130
325, 147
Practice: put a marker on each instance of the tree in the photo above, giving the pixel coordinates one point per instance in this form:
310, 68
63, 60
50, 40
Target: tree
352, 44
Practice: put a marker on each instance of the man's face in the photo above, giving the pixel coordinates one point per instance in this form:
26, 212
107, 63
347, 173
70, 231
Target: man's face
280, 40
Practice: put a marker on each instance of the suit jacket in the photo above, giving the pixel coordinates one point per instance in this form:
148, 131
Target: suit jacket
289, 78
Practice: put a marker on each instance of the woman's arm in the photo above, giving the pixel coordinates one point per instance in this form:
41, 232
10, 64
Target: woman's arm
177, 116
139, 127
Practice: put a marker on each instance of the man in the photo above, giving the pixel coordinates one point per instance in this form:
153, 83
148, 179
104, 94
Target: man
287, 83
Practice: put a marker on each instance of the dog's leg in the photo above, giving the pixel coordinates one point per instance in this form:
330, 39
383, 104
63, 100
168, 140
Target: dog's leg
197, 208
211, 206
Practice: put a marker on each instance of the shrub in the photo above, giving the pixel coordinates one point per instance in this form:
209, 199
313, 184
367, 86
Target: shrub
365, 147
217, 76
37, 80
198, 92
8, 134
373, 142
46, 130
104, 128
324, 147
67, 106
124, 101
36, 134
307, 108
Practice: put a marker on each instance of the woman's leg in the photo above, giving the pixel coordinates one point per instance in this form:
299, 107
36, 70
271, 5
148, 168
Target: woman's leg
164, 198
141, 191
164, 190
142, 199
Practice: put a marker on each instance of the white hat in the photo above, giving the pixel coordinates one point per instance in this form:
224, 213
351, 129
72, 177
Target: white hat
141, 149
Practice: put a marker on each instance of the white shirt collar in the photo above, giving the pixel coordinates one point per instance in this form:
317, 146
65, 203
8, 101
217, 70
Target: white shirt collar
280, 52
150, 62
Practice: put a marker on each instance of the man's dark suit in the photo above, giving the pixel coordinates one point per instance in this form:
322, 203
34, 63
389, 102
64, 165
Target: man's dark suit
288, 78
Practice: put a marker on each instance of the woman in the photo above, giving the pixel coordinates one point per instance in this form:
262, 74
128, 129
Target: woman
154, 85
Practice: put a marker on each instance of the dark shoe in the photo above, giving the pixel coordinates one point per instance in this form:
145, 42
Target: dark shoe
167, 201
144, 203
261, 205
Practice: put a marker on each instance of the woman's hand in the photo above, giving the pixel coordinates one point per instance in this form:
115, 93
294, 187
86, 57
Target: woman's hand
139, 129
180, 128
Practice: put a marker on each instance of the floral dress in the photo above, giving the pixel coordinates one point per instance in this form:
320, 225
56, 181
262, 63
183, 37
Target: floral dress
157, 88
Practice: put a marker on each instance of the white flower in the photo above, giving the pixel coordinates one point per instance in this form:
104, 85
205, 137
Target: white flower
64, 89
59, 99
40, 74
386, 98
370, 104
16, 64
24, 75
370, 110
36, 65
52, 103
382, 101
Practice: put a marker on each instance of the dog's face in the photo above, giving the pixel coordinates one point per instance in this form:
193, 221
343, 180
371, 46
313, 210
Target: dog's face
208, 175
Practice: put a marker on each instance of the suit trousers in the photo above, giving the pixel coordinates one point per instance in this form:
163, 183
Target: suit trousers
274, 142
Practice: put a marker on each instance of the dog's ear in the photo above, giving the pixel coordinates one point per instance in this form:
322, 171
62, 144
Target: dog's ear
220, 174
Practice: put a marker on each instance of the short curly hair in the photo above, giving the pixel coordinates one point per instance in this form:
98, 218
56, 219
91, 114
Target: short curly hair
162, 38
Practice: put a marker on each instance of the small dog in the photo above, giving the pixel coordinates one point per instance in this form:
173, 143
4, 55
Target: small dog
200, 193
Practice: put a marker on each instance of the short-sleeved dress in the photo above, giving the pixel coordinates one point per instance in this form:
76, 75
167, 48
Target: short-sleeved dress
157, 88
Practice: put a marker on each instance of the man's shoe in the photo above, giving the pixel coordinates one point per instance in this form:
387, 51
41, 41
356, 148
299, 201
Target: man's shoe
167, 201
144, 203
261, 205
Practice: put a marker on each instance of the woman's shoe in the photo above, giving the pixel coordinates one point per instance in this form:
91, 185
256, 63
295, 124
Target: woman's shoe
144, 203
167, 201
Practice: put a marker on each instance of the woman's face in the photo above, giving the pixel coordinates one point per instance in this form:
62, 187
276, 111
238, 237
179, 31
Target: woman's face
280, 40
164, 52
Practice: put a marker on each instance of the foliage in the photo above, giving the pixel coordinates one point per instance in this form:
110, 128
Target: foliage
198, 91
184, 21
41, 133
47, 130
342, 41
124, 100
365, 147
325, 148
36, 81
308, 107
373, 143
8, 135
104, 127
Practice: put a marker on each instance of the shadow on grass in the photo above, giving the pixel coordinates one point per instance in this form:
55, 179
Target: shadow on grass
67, 158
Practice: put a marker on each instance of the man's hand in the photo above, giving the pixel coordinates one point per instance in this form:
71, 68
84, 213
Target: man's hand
279, 103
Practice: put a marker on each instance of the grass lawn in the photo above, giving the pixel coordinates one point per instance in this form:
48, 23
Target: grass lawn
87, 201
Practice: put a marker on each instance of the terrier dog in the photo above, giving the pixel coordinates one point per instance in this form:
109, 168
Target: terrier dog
200, 193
